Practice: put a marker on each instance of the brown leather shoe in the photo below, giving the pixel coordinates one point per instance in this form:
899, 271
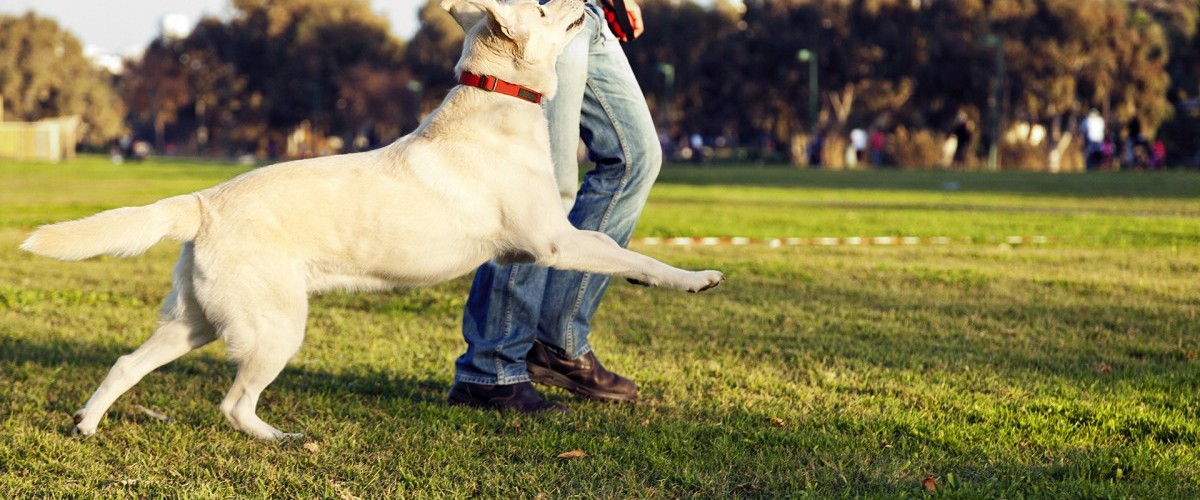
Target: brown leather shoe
521, 397
584, 376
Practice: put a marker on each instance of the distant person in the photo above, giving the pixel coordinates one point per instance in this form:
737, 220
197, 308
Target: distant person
141, 150
858, 139
766, 146
1109, 151
1137, 152
1093, 134
850, 157
962, 135
697, 144
816, 148
1158, 154
1135, 129
125, 143
876, 144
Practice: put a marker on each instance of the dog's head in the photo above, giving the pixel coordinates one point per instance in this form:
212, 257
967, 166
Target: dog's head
516, 40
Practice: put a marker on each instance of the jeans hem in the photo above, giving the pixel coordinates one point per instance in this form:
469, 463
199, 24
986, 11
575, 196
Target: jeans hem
469, 379
581, 352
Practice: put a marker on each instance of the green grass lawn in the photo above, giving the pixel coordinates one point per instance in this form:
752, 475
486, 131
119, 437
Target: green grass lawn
1065, 370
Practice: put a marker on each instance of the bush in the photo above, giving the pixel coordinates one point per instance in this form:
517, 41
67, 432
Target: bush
1027, 157
1024, 156
920, 149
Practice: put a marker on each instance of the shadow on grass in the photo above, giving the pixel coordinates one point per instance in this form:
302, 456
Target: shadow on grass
96, 358
1053, 328
705, 448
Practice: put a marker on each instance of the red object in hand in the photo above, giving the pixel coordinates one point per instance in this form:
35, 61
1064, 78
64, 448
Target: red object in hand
618, 19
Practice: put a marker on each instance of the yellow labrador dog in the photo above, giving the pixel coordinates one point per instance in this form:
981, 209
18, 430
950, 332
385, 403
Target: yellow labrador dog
474, 182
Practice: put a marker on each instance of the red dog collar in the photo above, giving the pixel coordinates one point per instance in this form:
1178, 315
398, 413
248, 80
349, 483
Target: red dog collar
493, 84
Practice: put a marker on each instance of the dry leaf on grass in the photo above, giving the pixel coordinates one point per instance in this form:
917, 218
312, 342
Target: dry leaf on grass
153, 414
1103, 368
778, 421
572, 454
313, 447
930, 483
342, 492
1190, 355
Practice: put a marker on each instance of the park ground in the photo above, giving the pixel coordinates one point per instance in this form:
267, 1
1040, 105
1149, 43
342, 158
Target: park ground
980, 368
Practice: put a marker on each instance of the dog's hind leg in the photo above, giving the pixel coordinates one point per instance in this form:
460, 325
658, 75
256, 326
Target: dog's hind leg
257, 368
183, 328
267, 329
592, 251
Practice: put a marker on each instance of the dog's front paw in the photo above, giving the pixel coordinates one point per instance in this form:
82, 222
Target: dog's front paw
706, 280
80, 428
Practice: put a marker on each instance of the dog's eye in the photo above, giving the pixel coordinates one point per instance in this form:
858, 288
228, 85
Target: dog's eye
542, 11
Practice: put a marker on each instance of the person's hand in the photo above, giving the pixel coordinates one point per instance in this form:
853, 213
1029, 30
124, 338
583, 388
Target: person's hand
635, 18
634, 12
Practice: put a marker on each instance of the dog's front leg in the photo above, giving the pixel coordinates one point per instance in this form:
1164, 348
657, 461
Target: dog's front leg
595, 252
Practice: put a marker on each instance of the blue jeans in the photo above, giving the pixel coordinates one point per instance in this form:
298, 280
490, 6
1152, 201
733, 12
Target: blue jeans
509, 306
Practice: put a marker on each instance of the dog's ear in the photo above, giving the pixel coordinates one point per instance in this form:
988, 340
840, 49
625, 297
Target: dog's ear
464, 12
469, 12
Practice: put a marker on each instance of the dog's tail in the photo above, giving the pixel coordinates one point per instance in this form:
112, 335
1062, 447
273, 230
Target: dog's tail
122, 232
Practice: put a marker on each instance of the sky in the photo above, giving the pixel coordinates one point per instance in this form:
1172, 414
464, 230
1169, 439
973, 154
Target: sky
124, 27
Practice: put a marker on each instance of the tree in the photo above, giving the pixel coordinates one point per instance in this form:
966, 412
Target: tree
291, 52
224, 113
434, 50
249, 81
673, 69
185, 94
155, 88
1067, 56
44, 74
1180, 20
916, 63
381, 100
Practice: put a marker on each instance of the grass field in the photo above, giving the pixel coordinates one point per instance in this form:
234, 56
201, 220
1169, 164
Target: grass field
1065, 370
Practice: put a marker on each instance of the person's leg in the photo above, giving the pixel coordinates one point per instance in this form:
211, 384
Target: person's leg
504, 305
619, 133
563, 111
499, 323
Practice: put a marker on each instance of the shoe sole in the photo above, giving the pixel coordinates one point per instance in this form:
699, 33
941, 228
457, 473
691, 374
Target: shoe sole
547, 376
471, 403
456, 399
